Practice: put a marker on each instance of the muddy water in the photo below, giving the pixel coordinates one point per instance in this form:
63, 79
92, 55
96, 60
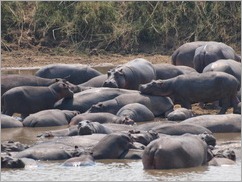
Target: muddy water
114, 170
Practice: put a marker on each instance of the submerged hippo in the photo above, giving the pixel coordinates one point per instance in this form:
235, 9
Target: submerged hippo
170, 152
159, 106
75, 74
49, 117
204, 87
29, 99
208, 53
87, 127
103, 117
217, 123
131, 74
84, 159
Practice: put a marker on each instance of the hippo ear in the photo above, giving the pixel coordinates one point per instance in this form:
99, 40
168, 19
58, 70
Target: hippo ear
100, 105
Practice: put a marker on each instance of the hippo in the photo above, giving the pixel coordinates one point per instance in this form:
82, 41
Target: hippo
112, 146
224, 123
184, 54
60, 148
158, 105
143, 137
180, 129
205, 87
11, 146
10, 162
76, 73
171, 152
15, 80
49, 117
10, 122
223, 157
137, 112
102, 117
166, 71
131, 74
225, 65
87, 127
30, 99
97, 81
180, 114
84, 159
82, 101
208, 53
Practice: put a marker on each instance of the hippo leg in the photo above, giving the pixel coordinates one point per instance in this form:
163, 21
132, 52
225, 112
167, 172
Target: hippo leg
225, 104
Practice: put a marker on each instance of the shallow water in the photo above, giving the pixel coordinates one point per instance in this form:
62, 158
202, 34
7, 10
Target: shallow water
113, 170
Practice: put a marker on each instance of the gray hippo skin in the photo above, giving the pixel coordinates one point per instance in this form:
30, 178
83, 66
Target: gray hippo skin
87, 127
97, 81
131, 74
223, 157
166, 71
82, 101
143, 137
10, 122
184, 54
50, 117
159, 106
137, 112
229, 66
171, 152
209, 53
29, 99
204, 87
75, 74
84, 159
112, 146
217, 123
103, 117
180, 114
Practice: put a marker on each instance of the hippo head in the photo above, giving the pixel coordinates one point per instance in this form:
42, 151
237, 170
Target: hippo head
155, 87
116, 78
144, 137
62, 89
126, 120
99, 107
9, 162
208, 138
73, 88
226, 153
85, 127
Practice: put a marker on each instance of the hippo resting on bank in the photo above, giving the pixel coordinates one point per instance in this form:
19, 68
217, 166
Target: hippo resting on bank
10, 122
50, 117
204, 87
97, 81
159, 106
229, 66
217, 123
180, 114
29, 99
131, 74
101, 118
170, 152
76, 73
137, 112
208, 53
15, 80
82, 101
166, 71
185, 53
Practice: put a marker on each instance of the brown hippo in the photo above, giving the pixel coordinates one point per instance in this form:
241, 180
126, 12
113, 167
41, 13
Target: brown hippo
49, 117
102, 117
10, 122
131, 74
170, 152
208, 53
224, 123
76, 73
158, 105
30, 99
205, 87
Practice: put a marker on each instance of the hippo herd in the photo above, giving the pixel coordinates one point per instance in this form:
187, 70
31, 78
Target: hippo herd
129, 112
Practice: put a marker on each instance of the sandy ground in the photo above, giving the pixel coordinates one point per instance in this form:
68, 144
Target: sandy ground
32, 58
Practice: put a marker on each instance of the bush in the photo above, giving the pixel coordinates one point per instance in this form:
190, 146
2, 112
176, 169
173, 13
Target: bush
116, 26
